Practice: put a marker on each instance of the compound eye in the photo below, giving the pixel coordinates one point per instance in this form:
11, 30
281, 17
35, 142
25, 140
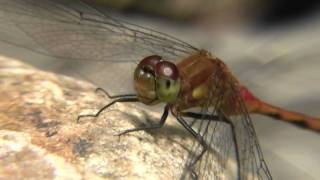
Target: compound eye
168, 81
167, 69
150, 62
144, 79
145, 84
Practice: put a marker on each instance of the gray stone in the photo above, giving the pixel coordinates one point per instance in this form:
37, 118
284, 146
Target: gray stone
40, 139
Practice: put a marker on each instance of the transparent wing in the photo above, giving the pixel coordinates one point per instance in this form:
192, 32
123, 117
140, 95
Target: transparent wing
233, 149
105, 51
91, 42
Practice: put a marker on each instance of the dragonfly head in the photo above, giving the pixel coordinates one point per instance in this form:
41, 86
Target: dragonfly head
156, 80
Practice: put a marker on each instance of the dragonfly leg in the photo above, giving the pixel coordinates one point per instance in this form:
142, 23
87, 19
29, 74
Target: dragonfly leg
199, 138
154, 126
223, 119
122, 99
200, 116
226, 120
114, 96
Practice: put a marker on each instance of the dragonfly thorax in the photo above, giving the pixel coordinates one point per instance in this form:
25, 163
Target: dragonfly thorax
156, 80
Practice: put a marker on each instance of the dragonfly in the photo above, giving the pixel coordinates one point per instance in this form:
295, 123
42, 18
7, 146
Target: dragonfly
151, 67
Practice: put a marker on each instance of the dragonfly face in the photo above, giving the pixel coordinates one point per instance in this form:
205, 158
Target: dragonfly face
156, 80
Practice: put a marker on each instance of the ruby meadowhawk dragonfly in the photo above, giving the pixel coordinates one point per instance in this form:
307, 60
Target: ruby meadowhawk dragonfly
150, 67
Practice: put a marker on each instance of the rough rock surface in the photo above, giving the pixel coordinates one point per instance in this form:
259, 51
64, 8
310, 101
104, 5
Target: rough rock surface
39, 136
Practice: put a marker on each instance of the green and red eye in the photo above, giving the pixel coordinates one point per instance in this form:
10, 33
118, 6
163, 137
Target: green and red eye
167, 69
167, 81
155, 79
150, 62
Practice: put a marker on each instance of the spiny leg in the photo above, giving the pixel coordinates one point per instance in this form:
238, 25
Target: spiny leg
154, 126
124, 98
199, 138
226, 120
199, 116
223, 119
114, 96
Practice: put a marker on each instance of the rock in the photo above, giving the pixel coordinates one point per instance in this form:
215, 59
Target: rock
39, 136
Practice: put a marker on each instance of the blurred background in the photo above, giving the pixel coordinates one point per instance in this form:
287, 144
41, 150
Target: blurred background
221, 12
272, 46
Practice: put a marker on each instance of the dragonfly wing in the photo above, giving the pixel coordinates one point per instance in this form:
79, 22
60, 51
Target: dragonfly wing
252, 163
92, 43
233, 149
